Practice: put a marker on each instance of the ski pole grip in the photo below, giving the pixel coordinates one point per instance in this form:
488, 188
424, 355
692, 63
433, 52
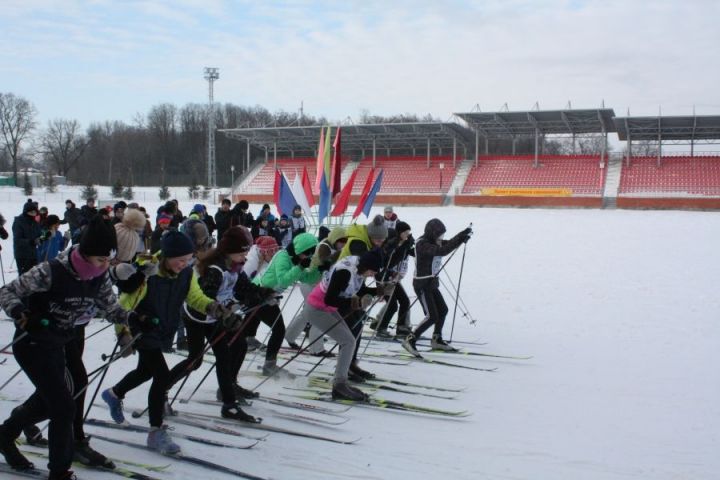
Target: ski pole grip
44, 322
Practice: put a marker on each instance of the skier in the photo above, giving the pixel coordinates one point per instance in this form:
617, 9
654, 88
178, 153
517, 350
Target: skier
429, 250
51, 241
223, 217
160, 297
287, 267
398, 247
298, 222
283, 232
46, 303
325, 256
340, 293
390, 217
218, 271
361, 238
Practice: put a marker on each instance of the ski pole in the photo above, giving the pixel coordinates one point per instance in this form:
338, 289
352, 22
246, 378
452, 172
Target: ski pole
16, 340
2, 269
10, 379
463, 306
272, 326
457, 294
202, 380
105, 370
100, 330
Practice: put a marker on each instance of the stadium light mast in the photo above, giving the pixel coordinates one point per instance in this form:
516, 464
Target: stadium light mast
211, 74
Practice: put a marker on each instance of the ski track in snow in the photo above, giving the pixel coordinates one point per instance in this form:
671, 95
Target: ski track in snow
618, 309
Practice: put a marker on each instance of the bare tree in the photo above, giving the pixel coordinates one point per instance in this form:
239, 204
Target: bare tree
162, 124
63, 144
17, 120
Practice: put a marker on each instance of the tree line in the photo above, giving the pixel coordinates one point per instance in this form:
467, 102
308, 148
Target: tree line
167, 145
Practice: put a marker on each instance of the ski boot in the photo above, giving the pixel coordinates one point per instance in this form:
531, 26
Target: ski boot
234, 412
12, 455
360, 372
323, 353
253, 344
86, 455
343, 391
270, 368
66, 475
115, 404
383, 333
240, 400
34, 436
409, 345
244, 393
159, 439
437, 343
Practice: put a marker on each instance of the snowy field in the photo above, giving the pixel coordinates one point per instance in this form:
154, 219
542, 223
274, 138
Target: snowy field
618, 309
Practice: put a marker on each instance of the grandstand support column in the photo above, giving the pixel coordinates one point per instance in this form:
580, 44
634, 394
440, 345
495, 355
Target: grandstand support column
292, 154
573, 143
266, 155
275, 154
454, 151
692, 137
659, 156
247, 158
487, 146
477, 146
374, 151
428, 152
537, 139
629, 143
514, 144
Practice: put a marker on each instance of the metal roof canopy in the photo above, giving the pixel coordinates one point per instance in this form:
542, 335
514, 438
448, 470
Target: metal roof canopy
677, 130
569, 122
358, 138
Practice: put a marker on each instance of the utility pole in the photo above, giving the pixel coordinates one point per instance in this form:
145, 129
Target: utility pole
211, 74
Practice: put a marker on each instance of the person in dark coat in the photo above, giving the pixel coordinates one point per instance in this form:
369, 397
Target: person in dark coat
223, 218
73, 218
88, 210
26, 237
241, 216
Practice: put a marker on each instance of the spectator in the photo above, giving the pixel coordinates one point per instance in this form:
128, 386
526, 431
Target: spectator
73, 218
390, 218
163, 225
3, 233
51, 241
283, 233
223, 218
42, 216
264, 227
118, 212
265, 213
146, 233
26, 236
298, 221
127, 234
88, 210
241, 216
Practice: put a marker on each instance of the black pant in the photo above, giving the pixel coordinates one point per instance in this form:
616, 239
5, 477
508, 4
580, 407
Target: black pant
354, 321
76, 368
44, 364
25, 264
271, 316
151, 364
398, 299
435, 310
196, 335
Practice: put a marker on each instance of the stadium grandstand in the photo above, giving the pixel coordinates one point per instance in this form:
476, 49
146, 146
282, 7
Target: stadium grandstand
428, 163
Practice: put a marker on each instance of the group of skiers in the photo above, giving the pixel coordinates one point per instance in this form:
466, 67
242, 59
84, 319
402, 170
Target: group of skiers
219, 291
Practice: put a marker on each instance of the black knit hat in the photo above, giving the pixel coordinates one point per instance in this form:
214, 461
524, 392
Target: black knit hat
401, 227
243, 204
98, 239
370, 260
175, 244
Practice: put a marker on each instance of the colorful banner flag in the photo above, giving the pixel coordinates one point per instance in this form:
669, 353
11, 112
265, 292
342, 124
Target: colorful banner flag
286, 201
325, 197
371, 197
336, 165
343, 200
320, 159
308, 188
297, 190
364, 194
327, 157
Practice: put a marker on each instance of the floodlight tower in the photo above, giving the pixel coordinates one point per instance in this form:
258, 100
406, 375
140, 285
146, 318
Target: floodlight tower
211, 74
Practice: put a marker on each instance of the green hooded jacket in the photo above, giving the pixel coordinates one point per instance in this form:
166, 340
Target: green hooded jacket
355, 233
281, 273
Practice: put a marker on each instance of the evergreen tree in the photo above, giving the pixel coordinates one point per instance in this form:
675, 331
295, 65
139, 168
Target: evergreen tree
89, 192
164, 192
117, 189
50, 185
128, 193
27, 185
193, 189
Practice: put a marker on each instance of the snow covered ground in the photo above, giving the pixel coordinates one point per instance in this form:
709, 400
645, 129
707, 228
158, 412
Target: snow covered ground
617, 308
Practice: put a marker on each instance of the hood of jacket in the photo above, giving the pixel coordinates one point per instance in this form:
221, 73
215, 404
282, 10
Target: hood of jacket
434, 228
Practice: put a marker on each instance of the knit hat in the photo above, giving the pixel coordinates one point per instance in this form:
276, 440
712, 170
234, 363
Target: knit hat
388, 209
243, 204
370, 260
127, 242
119, 205
266, 244
401, 227
98, 239
198, 207
376, 229
175, 244
235, 240
304, 243
164, 218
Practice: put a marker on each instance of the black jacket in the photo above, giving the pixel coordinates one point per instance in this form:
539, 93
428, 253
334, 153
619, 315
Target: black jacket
26, 232
222, 221
73, 218
428, 250
88, 213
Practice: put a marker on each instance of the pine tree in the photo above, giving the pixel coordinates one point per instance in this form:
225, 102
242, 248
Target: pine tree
88, 192
164, 192
128, 193
27, 185
117, 189
50, 185
193, 189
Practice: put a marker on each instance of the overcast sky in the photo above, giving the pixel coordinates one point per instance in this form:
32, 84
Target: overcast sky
100, 60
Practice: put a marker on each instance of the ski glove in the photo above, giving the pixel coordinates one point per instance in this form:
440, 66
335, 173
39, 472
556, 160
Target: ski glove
28, 321
145, 323
385, 289
219, 311
122, 271
124, 338
232, 323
